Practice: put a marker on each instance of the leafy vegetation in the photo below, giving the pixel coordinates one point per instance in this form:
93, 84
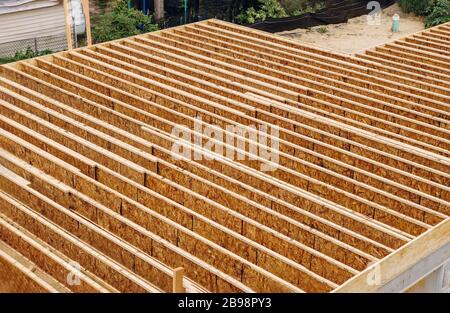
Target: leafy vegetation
322, 30
274, 9
121, 22
299, 7
438, 14
418, 7
267, 8
23, 55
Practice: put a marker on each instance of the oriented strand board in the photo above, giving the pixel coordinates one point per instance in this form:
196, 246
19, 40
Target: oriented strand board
362, 160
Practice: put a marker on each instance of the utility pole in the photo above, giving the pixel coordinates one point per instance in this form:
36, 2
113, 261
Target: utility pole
159, 10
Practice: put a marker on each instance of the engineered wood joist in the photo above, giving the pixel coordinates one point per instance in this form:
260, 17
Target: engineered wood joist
129, 120
119, 251
362, 168
168, 164
113, 274
19, 274
320, 70
203, 225
247, 97
109, 166
133, 98
137, 179
42, 255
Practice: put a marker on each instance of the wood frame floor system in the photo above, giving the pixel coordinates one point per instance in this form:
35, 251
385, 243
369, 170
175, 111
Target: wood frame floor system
87, 173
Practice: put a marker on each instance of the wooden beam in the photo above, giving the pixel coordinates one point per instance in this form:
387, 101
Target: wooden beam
87, 16
178, 275
68, 24
361, 170
19, 274
406, 266
437, 281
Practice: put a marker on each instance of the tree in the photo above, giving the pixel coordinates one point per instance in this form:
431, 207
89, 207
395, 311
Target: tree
267, 8
122, 22
418, 7
438, 14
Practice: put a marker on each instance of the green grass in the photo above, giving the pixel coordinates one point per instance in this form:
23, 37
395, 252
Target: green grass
23, 55
322, 30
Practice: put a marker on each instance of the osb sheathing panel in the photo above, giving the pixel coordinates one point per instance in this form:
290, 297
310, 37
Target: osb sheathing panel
160, 227
348, 167
97, 239
17, 274
79, 251
42, 257
185, 201
92, 212
333, 138
362, 139
130, 191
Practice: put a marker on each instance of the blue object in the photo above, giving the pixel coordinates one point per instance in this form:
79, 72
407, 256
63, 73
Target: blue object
396, 23
185, 11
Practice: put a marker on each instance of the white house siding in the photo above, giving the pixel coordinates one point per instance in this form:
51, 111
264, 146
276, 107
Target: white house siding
41, 29
10, 6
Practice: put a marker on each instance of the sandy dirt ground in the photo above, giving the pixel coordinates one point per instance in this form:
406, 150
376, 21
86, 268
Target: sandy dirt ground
357, 35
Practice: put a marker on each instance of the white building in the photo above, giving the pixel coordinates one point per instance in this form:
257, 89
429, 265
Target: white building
38, 24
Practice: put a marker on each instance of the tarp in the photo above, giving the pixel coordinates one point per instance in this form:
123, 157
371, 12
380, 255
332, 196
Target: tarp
335, 12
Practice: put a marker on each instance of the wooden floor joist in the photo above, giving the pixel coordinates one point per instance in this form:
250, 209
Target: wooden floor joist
88, 175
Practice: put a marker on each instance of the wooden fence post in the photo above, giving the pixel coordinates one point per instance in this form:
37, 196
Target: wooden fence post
68, 23
87, 17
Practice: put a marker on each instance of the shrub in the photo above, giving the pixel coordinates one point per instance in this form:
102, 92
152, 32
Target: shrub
296, 7
293, 6
438, 13
21, 55
418, 7
121, 22
322, 30
266, 9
